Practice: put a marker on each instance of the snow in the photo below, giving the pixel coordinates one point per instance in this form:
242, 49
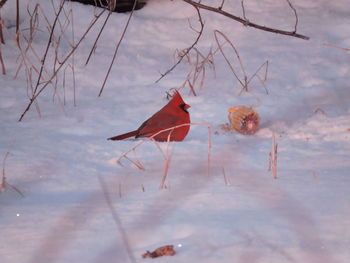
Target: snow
79, 205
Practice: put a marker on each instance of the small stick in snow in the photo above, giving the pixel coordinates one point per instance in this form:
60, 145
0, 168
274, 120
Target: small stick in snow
226, 179
4, 184
273, 157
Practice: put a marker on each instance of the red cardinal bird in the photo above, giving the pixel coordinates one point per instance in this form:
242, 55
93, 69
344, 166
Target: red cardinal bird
173, 114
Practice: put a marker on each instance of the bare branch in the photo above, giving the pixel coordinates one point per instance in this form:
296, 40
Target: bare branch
246, 22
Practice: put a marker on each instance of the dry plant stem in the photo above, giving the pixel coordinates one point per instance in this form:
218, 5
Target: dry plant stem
243, 83
166, 168
47, 47
72, 66
98, 37
334, 46
136, 163
246, 22
187, 51
117, 48
116, 219
60, 66
266, 65
3, 181
199, 69
4, 184
167, 158
273, 157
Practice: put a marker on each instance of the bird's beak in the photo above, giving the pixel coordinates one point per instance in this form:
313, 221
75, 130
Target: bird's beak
187, 106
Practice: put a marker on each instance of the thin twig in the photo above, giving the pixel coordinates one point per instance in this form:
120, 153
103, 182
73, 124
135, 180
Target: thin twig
295, 14
3, 69
117, 48
187, 51
17, 21
60, 66
243, 10
98, 37
222, 4
246, 22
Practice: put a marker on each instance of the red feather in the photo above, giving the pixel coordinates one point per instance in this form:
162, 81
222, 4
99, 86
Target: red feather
173, 114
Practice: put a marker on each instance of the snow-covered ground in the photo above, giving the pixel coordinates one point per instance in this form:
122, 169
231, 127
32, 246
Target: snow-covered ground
79, 205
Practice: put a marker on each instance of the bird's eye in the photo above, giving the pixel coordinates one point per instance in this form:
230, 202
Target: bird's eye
184, 107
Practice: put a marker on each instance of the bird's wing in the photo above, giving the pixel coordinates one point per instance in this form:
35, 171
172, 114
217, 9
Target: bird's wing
158, 122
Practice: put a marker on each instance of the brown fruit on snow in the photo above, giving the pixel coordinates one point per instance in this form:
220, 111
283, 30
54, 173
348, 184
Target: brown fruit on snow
244, 119
161, 251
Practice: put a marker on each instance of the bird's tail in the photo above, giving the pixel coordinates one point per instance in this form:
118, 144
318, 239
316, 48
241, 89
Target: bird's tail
123, 136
